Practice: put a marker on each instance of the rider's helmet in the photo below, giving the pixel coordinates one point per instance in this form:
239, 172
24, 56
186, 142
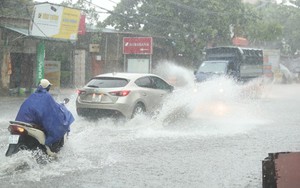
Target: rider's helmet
45, 84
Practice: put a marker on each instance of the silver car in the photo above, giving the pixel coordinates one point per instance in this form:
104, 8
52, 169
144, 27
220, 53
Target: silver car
121, 94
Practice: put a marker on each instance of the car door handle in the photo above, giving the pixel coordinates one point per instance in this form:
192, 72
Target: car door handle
144, 94
161, 95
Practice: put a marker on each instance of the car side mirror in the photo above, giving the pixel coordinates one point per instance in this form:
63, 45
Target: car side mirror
66, 100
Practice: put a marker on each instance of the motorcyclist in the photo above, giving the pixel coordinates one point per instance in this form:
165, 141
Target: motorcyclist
41, 109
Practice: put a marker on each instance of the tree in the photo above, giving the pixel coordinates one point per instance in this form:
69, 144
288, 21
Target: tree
265, 30
186, 25
278, 27
16, 8
291, 28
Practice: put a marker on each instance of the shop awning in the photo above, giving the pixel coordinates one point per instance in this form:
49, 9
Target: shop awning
22, 31
25, 32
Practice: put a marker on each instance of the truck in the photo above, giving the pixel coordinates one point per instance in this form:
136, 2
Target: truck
242, 64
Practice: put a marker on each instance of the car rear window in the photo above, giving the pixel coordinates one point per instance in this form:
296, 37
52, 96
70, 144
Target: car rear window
107, 82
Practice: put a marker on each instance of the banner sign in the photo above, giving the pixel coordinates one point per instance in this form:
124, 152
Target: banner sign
55, 21
52, 73
82, 29
137, 45
40, 56
79, 68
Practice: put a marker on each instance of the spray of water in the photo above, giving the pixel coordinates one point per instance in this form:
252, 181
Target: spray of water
218, 107
176, 75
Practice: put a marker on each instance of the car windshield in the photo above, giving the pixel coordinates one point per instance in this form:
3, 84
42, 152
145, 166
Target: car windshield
212, 67
107, 82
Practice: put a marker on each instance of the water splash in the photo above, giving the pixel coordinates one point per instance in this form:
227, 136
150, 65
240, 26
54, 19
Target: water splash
216, 108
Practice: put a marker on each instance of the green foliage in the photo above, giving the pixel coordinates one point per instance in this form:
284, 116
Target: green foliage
186, 25
292, 28
295, 2
16, 8
278, 28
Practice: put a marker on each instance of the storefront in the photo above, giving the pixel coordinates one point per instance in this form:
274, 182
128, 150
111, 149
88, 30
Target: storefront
17, 59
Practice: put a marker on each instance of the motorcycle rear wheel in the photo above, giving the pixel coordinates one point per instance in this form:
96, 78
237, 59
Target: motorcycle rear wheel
25, 143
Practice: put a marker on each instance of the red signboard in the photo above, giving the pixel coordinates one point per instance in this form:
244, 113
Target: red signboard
137, 45
81, 28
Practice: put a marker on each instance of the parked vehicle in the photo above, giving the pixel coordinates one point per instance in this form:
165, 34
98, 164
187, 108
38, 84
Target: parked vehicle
242, 64
121, 95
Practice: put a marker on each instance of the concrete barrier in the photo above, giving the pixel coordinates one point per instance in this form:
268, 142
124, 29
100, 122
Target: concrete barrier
281, 170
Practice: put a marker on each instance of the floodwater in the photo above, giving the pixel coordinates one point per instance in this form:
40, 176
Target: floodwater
213, 134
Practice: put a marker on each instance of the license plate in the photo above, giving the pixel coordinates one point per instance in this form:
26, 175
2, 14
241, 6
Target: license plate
13, 139
96, 97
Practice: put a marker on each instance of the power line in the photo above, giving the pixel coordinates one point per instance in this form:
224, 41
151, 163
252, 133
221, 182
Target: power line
95, 5
150, 22
112, 2
105, 9
153, 24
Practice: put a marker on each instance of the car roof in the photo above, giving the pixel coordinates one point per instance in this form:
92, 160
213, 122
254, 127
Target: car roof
125, 75
216, 61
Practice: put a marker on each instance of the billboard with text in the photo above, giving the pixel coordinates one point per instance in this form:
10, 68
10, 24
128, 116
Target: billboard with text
55, 21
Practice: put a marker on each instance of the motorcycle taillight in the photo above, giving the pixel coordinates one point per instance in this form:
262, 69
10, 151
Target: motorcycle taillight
15, 129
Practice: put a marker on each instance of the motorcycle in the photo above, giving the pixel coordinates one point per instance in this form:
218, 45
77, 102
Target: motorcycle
26, 136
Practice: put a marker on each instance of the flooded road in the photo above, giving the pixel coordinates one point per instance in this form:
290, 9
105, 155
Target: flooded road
198, 139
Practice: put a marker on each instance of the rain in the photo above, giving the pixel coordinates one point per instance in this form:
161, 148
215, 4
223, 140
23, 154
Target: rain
214, 133
201, 147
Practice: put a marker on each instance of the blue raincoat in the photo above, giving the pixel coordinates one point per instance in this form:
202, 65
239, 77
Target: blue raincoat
41, 109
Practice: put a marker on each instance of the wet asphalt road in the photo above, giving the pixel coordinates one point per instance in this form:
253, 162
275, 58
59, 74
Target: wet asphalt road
204, 151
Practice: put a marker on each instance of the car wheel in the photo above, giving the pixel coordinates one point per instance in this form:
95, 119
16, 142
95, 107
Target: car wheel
79, 112
138, 109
